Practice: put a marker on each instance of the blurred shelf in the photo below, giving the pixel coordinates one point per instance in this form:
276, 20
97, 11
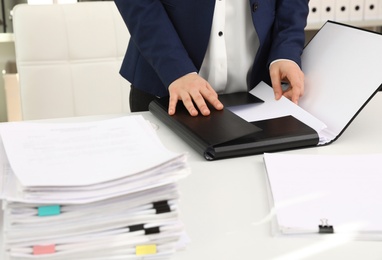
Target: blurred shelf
362, 23
6, 37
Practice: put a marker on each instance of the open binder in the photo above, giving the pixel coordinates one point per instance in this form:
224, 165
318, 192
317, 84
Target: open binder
342, 67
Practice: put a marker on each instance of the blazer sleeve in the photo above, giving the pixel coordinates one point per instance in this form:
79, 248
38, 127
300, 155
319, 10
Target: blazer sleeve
288, 30
154, 35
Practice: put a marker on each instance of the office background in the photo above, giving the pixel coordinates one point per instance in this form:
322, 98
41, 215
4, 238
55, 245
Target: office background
361, 13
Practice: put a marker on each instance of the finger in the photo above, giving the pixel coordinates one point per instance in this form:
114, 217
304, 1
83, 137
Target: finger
201, 104
297, 90
296, 94
172, 105
276, 85
212, 97
288, 93
293, 94
215, 102
189, 105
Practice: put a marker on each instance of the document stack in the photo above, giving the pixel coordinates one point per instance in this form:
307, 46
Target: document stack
91, 190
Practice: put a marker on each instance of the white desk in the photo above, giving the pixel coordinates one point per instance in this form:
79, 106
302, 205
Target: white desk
221, 201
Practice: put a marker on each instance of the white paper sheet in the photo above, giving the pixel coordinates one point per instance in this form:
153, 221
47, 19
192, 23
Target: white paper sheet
73, 154
272, 108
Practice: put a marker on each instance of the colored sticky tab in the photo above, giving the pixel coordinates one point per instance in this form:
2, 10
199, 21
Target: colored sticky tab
43, 250
146, 249
50, 210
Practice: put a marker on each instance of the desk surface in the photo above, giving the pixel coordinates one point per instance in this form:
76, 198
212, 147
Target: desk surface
224, 204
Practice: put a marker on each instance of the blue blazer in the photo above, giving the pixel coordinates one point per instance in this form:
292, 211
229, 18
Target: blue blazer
169, 38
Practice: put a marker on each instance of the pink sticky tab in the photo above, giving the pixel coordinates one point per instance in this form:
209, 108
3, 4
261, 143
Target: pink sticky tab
43, 250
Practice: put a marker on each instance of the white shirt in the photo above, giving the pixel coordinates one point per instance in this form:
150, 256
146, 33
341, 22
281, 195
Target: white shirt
232, 47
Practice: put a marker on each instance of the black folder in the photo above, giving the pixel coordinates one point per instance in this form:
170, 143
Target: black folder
223, 134
342, 70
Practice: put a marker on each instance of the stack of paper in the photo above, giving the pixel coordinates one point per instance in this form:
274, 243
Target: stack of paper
94, 190
336, 194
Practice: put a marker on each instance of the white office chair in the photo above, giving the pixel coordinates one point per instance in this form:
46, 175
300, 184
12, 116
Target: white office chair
68, 58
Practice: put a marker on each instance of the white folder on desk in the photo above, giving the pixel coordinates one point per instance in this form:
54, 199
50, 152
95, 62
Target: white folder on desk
342, 12
356, 10
337, 194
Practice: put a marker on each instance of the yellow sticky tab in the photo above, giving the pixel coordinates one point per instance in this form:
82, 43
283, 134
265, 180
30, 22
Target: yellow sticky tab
146, 249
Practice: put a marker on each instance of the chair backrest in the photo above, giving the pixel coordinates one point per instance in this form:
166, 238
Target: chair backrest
68, 58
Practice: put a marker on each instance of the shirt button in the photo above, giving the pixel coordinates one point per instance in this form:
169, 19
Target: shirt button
255, 6
220, 33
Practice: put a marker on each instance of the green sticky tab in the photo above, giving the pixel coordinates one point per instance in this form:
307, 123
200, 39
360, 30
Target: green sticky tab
50, 210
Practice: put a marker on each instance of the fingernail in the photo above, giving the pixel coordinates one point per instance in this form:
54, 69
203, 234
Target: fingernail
194, 112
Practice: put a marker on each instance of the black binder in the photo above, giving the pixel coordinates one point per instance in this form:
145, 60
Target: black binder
342, 74
223, 134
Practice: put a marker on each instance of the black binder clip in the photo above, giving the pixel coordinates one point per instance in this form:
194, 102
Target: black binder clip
161, 207
324, 228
